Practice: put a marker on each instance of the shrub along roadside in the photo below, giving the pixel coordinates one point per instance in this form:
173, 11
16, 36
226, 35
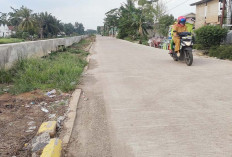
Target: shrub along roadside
209, 36
59, 70
221, 52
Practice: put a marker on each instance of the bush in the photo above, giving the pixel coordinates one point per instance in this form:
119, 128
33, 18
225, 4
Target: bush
198, 47
222, 52
128, 39
210, 35
25, 35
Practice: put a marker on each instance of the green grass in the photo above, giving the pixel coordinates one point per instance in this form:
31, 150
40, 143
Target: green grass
60, 70
10, 40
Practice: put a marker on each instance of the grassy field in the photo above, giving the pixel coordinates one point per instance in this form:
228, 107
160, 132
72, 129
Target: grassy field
10, 40
60, 70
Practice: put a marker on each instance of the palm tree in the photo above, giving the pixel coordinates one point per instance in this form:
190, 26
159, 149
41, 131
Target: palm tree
27, 23
3, 18
48, 24
134, 22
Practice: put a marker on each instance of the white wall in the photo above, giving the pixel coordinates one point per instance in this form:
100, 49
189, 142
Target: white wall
4, 31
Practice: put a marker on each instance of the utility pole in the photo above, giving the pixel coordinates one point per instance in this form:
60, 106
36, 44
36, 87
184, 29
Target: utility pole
223, 12
229, 12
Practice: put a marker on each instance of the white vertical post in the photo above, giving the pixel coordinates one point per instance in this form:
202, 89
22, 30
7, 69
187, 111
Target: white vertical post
228, 12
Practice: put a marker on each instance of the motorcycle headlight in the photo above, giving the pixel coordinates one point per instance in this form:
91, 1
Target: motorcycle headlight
188, 43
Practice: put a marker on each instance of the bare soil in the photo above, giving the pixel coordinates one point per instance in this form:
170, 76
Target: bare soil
19, 113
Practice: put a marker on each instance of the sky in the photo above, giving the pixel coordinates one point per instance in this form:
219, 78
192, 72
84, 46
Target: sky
89, 12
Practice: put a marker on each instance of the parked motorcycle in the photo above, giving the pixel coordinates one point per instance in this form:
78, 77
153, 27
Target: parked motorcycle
186, 43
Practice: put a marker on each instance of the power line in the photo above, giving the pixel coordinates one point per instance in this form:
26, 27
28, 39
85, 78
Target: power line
178, 5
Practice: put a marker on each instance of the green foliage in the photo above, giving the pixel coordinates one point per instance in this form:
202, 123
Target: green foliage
222, 52
164, 22
25, 35
56, 72
198, 47
128, 39
59, 70
10, 40
210, 35
3, 18
131, 21
26, 20
48, 25
68, 29
43, 24
91, 32
99, 30
111, 19
79, 28
5, 76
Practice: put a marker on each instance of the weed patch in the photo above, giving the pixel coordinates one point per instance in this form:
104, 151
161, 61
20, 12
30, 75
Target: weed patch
59, 70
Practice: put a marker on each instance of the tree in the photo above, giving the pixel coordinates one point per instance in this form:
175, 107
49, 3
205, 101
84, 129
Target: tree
48, 24
126, 18
99, 30
3, 18
41, 24
79, 28
112, 19
69, 29
27, 23
14, 18
134, 22
159, 10
164, 23
91, 31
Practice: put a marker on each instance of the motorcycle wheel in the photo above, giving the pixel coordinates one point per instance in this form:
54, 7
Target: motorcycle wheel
188, 57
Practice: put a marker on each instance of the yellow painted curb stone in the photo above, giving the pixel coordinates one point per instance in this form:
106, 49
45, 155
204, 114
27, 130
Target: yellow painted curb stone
53, 149
49, 127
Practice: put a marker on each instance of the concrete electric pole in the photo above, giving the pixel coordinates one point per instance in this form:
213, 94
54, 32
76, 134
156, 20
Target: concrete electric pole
223, 12
228, 12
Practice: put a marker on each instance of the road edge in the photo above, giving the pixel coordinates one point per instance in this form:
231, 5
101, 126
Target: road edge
71, 116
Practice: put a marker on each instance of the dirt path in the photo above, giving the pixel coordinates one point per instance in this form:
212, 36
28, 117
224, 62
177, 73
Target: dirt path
143, 104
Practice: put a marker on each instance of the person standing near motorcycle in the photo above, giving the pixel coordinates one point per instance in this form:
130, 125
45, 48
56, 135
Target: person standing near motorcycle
178, 28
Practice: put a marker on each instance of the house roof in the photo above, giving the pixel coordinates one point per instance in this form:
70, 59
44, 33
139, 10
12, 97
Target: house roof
190, 15
11, 28
200, 2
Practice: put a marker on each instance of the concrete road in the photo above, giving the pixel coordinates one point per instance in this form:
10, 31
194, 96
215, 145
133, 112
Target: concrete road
138, 102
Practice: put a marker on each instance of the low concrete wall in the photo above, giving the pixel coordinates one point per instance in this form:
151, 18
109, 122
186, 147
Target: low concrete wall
229, 38
9, 53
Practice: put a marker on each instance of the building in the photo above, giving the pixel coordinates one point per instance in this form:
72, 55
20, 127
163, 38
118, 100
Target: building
6, 31
190, 18
208, 12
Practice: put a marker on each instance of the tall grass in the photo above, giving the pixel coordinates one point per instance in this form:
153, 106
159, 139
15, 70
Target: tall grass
58, 71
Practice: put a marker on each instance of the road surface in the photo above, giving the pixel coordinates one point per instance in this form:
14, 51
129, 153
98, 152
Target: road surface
138, 102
